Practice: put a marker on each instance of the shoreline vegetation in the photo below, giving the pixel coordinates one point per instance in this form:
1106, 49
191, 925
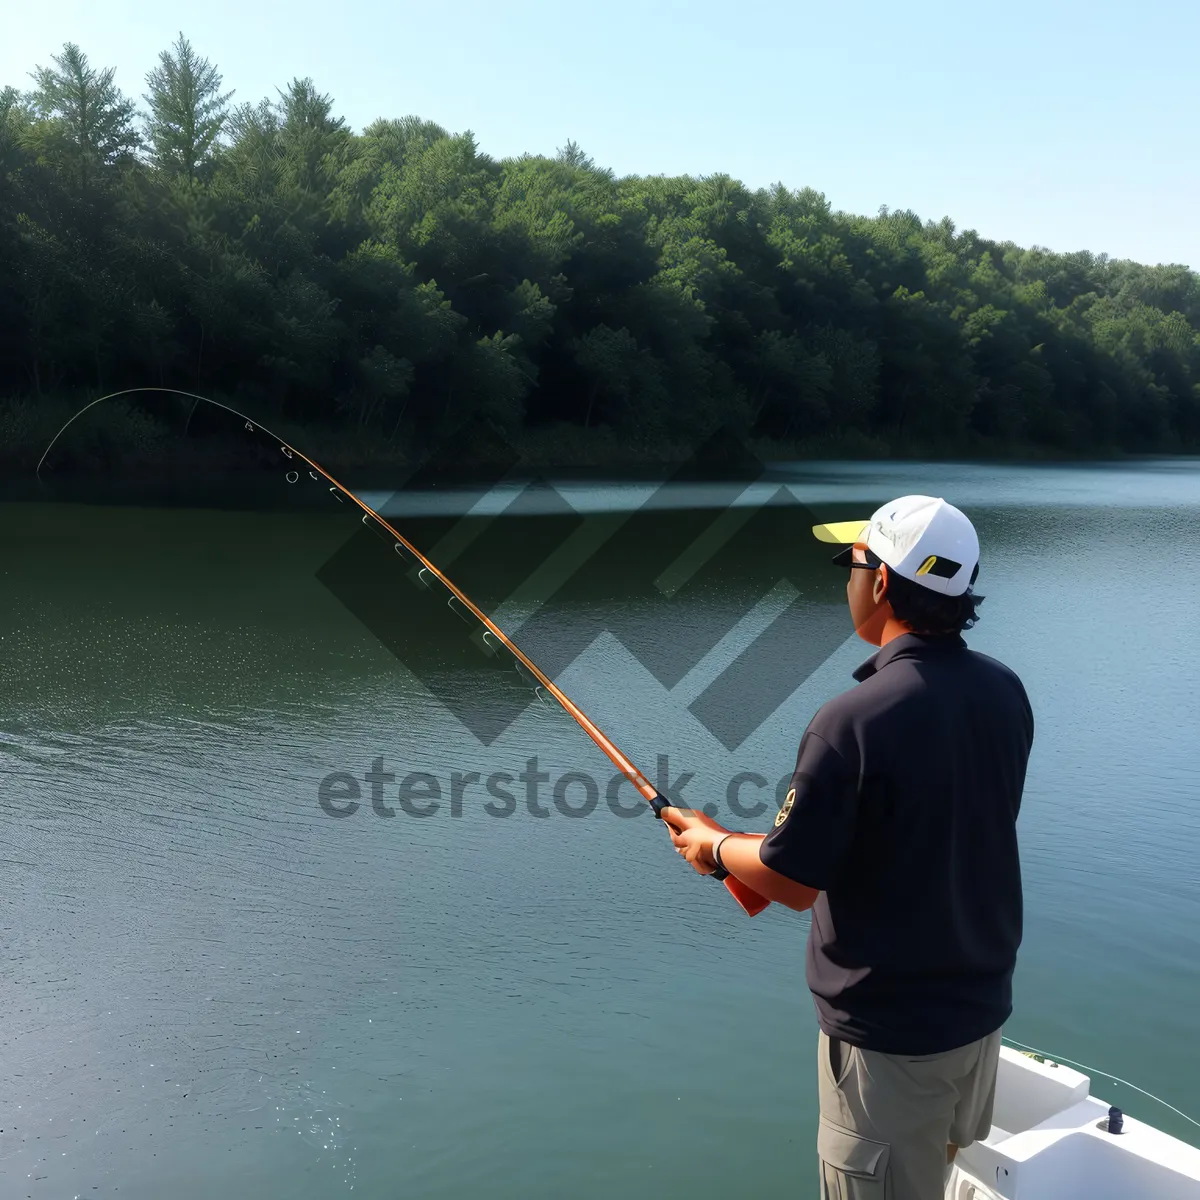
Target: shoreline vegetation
368, 294
124, 441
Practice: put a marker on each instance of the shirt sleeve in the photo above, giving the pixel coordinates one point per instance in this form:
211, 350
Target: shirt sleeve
815, 827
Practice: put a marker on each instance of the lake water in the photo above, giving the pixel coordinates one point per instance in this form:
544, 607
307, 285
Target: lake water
212, 987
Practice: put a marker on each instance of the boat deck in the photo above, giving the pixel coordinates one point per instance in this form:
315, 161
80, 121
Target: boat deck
1050, 1141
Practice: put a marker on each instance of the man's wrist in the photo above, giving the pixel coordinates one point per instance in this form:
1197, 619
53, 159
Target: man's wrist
715, 850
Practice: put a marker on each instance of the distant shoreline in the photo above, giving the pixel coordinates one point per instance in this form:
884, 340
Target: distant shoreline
208, 480
146, 460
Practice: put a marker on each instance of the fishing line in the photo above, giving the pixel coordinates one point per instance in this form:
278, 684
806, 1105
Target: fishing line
750, 901
1096, 1071
542, 684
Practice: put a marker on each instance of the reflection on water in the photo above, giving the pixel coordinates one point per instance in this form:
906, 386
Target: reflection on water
1163, 482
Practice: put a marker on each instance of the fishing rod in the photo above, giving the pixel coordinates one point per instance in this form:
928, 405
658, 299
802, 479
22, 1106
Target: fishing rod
749, 900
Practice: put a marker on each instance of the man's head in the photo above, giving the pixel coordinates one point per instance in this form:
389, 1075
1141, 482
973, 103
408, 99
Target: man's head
911, 568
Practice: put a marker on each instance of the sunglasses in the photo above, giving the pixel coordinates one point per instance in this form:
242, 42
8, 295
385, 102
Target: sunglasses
858, 557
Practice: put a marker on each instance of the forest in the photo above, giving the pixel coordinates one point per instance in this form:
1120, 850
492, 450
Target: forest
374, 290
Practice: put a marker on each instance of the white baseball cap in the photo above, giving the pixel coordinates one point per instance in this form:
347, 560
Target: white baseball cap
922, 538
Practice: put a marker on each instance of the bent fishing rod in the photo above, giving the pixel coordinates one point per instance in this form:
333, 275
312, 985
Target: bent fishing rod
749, 900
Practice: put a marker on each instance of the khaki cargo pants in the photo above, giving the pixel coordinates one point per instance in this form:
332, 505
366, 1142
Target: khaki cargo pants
886, 1119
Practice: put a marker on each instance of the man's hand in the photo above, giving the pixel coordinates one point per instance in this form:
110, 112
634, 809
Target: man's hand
693, 835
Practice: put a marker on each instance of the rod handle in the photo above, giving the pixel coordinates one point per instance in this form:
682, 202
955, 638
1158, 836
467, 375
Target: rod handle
751, 902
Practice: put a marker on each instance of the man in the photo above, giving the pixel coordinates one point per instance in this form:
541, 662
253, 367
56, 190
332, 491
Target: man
899, 832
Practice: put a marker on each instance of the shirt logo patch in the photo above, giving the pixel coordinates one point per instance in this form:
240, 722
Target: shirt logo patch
787, 808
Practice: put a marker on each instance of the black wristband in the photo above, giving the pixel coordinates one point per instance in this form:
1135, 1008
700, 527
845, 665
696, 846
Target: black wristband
721, 872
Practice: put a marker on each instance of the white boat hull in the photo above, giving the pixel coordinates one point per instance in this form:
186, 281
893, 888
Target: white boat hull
1050, 1141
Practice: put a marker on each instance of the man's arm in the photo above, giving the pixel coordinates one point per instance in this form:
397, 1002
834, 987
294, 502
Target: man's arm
694, 836
739, 854
804, 853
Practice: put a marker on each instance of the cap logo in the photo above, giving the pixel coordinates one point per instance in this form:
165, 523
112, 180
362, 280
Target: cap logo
924, 568
890, 534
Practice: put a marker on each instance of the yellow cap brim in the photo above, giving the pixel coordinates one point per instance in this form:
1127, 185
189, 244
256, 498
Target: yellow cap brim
840, 533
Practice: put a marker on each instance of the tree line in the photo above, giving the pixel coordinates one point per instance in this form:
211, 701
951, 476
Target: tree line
391, 283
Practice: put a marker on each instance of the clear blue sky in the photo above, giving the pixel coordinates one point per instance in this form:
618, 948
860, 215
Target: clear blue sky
1071, 124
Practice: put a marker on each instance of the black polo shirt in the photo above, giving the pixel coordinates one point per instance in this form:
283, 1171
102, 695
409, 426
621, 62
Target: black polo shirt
906, 795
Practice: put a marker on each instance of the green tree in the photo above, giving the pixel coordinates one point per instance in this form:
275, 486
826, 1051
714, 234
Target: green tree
187, 110
254, 162
310, 138
609, 359
88, 124
16, 117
